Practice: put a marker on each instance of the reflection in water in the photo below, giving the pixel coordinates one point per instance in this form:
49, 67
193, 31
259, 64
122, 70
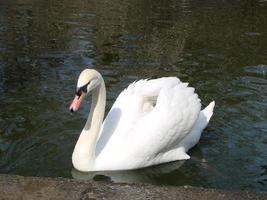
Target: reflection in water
146, 175
217, 46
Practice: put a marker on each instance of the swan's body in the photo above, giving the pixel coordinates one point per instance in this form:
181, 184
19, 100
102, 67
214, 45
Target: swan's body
151, 122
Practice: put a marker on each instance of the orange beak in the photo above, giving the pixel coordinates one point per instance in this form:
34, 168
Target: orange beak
74, 106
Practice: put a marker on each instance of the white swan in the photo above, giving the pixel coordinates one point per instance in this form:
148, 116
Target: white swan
151, 122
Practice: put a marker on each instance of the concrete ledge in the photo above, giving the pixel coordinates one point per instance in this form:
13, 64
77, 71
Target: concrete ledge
19, 187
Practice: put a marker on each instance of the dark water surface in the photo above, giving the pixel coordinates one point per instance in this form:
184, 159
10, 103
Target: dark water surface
219, 46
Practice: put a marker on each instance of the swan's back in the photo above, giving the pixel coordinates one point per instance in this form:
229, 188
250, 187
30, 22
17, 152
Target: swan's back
146, 124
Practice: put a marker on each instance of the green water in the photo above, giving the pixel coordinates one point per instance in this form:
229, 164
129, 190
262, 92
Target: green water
219, 46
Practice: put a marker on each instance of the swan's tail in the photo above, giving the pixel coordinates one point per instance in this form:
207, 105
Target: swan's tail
208, 111
204, 117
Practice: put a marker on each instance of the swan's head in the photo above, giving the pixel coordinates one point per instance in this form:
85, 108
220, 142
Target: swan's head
88, 80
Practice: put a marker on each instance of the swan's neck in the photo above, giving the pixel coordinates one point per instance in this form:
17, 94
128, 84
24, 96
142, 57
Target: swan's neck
83, 157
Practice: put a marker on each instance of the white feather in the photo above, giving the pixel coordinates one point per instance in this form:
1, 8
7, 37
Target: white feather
137, 134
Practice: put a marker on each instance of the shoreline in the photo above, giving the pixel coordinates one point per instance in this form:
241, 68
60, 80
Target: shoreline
20, 187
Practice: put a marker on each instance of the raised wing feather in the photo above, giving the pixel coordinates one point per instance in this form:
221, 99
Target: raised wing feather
129, 132
173, 117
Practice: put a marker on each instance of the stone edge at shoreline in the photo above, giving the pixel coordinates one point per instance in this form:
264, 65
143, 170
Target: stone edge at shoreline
19, 187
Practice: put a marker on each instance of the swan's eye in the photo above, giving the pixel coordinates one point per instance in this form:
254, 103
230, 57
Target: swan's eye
82, 89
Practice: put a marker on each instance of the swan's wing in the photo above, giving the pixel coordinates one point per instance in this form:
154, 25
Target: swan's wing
173, 117
130, 132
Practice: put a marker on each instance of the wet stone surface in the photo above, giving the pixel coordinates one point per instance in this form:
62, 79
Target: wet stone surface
18, 187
